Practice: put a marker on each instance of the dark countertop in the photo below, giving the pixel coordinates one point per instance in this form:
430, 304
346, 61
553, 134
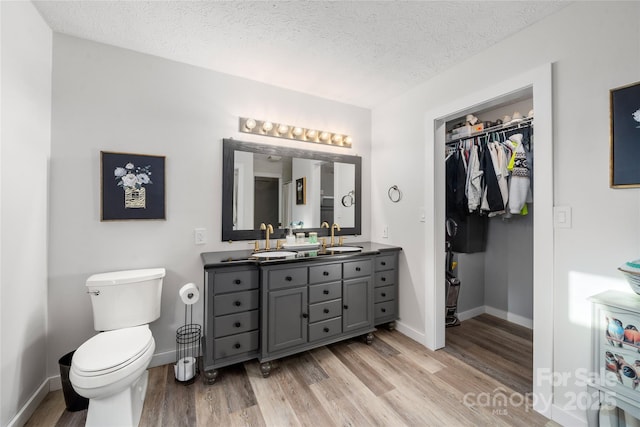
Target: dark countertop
243, 257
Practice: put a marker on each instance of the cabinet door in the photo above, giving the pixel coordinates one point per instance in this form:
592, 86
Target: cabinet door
288, 318
357, 304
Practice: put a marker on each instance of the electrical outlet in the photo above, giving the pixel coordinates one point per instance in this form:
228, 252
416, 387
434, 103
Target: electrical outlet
200, 236
385, 231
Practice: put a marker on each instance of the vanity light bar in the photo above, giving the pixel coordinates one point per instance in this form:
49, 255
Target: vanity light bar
281, 130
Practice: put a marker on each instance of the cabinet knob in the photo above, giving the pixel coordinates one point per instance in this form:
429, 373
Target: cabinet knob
326, 292
357, 268
288, 278
237, 345
237, 303
326, 310
237, 281
384, 279
346, 307
237, 324
384, 310
326, 329
383, 263
305, 315
325, 273
383, 294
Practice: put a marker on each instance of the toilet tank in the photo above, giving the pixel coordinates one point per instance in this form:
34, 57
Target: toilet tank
122, 299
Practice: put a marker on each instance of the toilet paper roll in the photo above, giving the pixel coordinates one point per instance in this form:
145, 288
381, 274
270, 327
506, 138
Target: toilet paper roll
189, 294
185, 368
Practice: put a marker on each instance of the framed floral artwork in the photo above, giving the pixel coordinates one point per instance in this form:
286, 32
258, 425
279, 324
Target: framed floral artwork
625, 136
132, 186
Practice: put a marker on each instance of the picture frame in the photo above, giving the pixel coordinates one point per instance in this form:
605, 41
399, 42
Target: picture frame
132, 186
625, 136
301, 191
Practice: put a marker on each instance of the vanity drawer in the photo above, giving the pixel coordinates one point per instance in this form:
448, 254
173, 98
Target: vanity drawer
235, 302
325, 273
236, 323
234, 281
235, 344
357, 269
285, 278
384, 278
384, 309
384, 293
325, 329
325, 292
385, 262
325, 310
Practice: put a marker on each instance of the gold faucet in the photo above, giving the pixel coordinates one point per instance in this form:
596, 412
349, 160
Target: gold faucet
333, 228
324, 224
268, 229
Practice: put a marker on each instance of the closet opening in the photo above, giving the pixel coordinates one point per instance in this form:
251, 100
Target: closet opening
489, 232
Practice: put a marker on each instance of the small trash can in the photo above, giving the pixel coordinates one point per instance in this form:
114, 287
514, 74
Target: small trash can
72, 400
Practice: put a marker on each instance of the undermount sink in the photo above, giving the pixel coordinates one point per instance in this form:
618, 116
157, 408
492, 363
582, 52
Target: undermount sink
273, 254
344, 249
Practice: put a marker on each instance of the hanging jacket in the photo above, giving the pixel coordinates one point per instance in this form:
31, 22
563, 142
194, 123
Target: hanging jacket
474, 180
519, 188
492, 199
456, 174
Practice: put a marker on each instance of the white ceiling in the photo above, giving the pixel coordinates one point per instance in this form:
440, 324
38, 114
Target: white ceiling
358, 52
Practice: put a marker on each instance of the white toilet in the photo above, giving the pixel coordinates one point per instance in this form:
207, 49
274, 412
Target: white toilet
110, 369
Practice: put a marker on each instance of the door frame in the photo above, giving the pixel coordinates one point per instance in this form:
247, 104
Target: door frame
540, 80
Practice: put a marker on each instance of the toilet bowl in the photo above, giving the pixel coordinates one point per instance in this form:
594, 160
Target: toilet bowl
110, 369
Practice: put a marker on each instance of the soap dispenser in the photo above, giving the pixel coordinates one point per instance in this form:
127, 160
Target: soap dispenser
291, 239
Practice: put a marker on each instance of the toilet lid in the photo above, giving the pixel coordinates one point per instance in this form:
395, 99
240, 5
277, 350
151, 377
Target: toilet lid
110, 349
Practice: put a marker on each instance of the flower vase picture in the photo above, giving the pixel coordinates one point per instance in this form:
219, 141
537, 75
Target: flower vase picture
132, 186
625, 136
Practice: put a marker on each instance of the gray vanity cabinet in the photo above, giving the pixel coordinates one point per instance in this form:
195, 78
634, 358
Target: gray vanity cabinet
313, 304
232, 317
386, 289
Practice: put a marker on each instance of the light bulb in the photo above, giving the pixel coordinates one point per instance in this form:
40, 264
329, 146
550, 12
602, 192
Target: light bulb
311, 134
347, 140
250, 124
297, 131
324, 135
337, 139
283, 129
267, 126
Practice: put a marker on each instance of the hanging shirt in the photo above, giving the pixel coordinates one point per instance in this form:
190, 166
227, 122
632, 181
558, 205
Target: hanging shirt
520, 180
474, 180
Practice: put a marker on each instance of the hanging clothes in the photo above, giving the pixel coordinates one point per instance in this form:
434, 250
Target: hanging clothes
456, 177
474, 180
520, 177
491, 199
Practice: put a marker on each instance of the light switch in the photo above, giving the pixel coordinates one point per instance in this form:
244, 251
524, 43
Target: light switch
562, 216
200, 236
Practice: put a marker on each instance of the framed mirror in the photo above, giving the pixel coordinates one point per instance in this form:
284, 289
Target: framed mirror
287, 188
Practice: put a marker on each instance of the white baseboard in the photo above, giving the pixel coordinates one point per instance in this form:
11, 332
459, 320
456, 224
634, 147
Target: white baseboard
30, 407
566, 418
510, 317
410, 332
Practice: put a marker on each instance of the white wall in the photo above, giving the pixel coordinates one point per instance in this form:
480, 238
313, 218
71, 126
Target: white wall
24, 154
594, 46
107, 98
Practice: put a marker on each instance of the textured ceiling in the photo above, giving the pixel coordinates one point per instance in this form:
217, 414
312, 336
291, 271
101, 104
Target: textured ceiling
358, 52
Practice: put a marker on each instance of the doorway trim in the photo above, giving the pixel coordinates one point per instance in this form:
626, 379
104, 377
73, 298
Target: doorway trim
540, 80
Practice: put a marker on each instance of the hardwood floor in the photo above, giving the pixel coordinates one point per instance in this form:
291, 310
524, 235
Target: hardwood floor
393, 382
500, 349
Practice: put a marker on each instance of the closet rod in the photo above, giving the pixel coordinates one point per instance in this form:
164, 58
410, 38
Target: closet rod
528, 122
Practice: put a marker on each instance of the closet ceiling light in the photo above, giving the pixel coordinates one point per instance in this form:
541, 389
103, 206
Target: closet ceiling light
281, 130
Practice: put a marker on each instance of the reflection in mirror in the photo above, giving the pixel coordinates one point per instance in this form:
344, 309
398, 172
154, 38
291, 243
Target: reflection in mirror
288, 188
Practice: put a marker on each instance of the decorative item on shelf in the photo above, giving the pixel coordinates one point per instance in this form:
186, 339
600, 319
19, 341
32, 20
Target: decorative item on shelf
297, 133
132, 186
631, 271
394, 193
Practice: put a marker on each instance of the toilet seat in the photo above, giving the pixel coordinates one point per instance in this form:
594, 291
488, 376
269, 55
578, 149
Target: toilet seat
111, 360
112, 350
